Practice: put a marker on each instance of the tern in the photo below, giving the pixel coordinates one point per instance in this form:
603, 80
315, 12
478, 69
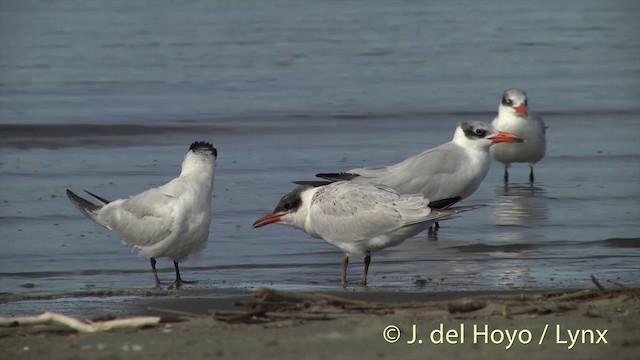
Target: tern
168, 221
514, 117
453, 170
356, 217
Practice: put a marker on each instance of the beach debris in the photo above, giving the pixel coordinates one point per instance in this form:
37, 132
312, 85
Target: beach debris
279, 298
597, 283
466, 305
269, 305
174, 315
79, 325
245, 316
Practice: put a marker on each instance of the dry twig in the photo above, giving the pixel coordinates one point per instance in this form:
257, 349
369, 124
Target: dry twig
78, 325
597, 283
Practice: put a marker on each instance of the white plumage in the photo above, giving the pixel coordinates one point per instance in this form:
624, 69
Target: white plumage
453, 170
514, 117
356, 217
168, 221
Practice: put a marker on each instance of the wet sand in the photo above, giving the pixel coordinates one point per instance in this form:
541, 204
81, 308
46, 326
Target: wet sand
349, 332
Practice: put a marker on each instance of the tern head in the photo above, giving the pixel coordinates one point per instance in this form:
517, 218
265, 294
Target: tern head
201, 155
514, 102
481, 135
292, 209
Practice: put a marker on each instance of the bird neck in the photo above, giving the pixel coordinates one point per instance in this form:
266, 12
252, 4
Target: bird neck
470, 146
299, 218
202, 174
507, 113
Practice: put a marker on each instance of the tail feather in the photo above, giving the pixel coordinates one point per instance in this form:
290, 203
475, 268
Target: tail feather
444, 203
101, 199
451, 213
314, 183
88, 208
337, 176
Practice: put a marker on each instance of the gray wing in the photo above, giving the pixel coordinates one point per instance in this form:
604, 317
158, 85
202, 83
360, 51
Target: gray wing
538, 118
430, 173
444, 159
351, 212
144, 219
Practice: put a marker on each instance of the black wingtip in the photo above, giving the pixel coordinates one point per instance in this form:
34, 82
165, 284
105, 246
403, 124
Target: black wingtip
444, 203
201, 145
101, 199
314, 183
337, 176
82, 204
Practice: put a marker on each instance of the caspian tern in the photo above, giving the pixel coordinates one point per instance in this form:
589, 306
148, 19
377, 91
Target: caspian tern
514, 117
453, 170
168, 221
356, 217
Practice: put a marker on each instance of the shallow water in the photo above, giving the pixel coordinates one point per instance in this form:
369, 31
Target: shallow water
579, 218
123, 90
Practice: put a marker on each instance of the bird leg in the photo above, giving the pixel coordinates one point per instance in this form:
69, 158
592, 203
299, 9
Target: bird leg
345, 263
367, 261
531, 178
432, 234
506, 174
155, 272
178, 283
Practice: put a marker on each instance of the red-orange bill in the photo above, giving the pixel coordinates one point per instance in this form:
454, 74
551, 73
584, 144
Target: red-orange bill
521, 109
268, 218
504, 136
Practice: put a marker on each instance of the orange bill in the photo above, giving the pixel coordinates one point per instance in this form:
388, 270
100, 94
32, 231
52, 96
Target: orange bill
504, 136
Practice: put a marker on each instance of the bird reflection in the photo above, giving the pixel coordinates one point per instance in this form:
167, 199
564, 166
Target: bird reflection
520, 204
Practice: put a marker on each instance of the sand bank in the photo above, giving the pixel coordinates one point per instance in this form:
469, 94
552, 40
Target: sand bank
581, 324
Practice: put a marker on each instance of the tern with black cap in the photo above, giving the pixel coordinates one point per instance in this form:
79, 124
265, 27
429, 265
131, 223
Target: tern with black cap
171, 221
445, 174
356, 217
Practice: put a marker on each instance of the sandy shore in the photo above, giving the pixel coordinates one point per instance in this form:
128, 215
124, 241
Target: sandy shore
581, 324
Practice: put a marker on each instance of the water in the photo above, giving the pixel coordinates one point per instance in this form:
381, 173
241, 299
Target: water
107, 97
149, 61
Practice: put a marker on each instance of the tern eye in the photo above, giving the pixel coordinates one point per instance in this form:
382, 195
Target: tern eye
508, 101
481, 132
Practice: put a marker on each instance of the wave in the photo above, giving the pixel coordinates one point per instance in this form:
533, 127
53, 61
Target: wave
612, 242
8, 131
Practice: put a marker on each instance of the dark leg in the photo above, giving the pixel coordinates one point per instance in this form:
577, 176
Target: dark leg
367, 261
506, 174
531, 178
178, 283
155, 272
432, 234
345, 264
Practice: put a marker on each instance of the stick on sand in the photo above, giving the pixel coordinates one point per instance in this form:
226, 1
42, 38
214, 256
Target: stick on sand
78, 325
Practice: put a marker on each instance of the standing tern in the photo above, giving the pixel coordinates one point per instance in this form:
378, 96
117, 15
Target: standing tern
168, 221
453, 170
514, 117
355, 217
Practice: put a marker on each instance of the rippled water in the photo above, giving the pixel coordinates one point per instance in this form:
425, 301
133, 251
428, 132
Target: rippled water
107, 97
581, 217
